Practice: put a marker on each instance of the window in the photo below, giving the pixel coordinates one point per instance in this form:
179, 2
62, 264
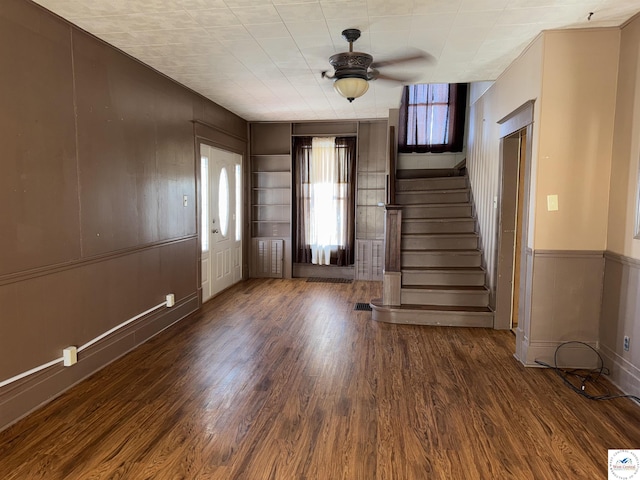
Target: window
238, 203
223, 202
432, 118
204, 202
325, 194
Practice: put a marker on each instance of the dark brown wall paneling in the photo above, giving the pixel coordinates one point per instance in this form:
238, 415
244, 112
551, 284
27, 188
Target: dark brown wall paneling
215, 115
38, 184
135, 149
93, 237
175, 161
213, 136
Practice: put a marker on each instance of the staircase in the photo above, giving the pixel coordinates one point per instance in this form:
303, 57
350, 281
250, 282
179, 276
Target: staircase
443, 282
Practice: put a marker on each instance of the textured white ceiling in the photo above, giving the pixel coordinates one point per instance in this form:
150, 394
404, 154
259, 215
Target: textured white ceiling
262, 59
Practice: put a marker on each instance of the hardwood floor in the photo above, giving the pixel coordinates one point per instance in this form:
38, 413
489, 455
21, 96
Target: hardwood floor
280, 379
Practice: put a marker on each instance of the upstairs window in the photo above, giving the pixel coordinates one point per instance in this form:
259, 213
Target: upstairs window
432, 118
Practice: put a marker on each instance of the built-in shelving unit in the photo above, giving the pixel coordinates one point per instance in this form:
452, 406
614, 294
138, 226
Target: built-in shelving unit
271, 196
272, 220
271, 199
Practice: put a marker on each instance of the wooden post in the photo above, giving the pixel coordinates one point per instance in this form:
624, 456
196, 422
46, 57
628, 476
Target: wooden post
393, 237
392, 274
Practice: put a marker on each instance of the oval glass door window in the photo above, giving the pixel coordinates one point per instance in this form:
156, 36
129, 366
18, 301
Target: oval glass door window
223, 202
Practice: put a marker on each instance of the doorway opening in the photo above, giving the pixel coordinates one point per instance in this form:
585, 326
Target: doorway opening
521, 137
511, 268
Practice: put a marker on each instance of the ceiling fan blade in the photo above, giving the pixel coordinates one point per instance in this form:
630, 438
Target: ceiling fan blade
393, 78
417, 56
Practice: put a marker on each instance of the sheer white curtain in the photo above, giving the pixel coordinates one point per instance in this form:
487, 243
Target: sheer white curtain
432, 118
324, 200
324, 228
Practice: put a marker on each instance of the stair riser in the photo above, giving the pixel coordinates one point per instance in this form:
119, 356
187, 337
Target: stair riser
452, 279
454, 298
408, 198
439, 226
448, 211
430, 259
422, 317
431, 184
434, 243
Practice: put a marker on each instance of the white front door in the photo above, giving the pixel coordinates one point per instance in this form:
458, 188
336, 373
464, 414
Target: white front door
221, 227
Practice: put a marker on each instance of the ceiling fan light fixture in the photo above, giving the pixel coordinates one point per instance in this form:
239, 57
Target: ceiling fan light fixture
351, 87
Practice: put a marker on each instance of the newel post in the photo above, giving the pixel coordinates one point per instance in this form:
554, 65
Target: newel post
392, 274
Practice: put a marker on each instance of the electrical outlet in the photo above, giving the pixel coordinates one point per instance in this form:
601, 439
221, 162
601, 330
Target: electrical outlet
626, 342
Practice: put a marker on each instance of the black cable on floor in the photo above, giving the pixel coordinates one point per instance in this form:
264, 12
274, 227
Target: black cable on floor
584, 376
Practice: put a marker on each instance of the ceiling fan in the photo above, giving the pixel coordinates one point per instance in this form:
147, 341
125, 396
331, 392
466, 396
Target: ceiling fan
354, 70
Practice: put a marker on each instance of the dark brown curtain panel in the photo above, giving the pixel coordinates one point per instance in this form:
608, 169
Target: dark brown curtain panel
432, 118
325, 200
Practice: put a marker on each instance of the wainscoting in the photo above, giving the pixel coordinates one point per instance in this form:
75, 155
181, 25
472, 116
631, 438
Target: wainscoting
563, 305
620, 316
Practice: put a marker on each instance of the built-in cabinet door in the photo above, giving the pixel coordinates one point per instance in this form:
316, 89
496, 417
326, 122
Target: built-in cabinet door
369, 259
268, 257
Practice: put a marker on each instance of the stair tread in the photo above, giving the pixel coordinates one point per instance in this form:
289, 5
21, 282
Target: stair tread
439, 219
427, 179
467, 288
441, 234
444, 269
434, 190
440, 308
466, 251
440, 205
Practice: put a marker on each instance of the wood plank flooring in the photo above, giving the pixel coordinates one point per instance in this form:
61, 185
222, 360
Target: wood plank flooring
283, 380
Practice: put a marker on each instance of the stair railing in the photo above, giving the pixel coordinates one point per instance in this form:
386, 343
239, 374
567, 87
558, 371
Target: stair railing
391, 167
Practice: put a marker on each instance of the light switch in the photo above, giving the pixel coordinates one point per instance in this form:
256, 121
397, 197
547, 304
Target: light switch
552, 203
